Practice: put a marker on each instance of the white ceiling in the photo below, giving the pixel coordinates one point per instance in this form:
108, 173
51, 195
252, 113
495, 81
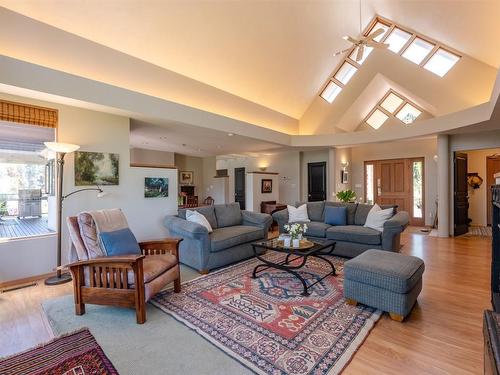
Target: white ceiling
275, 53
192, 140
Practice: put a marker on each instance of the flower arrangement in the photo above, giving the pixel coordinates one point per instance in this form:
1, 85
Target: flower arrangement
295, 230
346, 195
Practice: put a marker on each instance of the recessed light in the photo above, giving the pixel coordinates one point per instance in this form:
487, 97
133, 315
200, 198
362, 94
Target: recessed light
230, 134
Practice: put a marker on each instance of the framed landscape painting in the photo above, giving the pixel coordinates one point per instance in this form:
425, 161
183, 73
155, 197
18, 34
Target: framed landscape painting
266, 186
155, 187
96, 168
186, 177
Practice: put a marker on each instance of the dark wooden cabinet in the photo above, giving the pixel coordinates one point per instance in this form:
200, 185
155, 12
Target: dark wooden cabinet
491, 332
495, 247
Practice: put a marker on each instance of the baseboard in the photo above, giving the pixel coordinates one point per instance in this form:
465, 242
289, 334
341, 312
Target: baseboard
26, 280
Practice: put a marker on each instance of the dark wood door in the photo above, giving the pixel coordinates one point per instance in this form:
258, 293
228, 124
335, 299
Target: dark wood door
492, 167
239, 186
461, 198
316, 176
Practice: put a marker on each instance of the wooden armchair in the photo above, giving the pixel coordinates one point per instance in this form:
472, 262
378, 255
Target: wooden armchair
125, 280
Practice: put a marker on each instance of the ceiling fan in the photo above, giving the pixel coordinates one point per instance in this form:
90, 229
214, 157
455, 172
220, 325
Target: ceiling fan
363, 41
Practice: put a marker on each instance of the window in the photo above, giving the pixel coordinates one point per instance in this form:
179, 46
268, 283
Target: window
397, 39
377, 119
379, 25
391, 102
441, 62
395, 105
408, 113
418, 50
345, 73
331, 91
369, 185
418, 199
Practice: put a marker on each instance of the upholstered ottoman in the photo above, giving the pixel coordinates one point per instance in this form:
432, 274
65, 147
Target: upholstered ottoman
385, 280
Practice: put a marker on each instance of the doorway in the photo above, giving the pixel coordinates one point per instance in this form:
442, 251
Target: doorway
492, 167
461, 194
239, 186
398, 182
316, 181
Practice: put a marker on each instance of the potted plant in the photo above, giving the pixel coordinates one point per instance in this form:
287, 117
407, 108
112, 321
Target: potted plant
346, 195
295, 231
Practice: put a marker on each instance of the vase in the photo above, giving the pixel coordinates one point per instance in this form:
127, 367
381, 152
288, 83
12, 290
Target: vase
300, 236
296, 242
287, 241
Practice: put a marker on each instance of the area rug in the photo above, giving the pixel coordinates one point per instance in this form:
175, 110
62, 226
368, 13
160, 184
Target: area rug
76, 353
267, 325
479, 231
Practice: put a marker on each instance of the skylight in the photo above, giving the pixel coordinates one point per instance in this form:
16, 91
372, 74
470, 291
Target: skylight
441, 62
345, 73
397, 39
331, 91
393, 105
408, 113
418, 50
379, 25
377, 119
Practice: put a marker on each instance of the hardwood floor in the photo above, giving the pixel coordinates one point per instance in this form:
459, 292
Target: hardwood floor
443, 335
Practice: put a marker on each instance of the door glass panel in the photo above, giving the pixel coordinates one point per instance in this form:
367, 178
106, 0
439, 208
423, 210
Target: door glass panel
369, 183
418, 189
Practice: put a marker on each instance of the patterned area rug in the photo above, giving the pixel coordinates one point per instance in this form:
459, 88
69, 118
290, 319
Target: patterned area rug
479, 231
76, 353
267, 325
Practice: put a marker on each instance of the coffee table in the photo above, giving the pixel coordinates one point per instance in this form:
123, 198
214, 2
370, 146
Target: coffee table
317, 250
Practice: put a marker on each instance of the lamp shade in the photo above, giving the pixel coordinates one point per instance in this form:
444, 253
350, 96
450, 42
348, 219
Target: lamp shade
61, 147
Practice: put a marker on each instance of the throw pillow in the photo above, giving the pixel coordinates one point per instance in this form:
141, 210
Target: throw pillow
120, 242
196, 217
296, 214
336, 215
377, 217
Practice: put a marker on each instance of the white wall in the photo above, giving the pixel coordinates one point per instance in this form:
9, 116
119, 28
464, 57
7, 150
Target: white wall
151, 157
394, 150
254, 195
93, 131
476, 162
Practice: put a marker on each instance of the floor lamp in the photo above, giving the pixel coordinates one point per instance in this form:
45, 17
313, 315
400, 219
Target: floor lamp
62, 149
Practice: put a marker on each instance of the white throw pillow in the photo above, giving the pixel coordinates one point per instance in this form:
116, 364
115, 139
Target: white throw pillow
377, 217
296, 214
196, 217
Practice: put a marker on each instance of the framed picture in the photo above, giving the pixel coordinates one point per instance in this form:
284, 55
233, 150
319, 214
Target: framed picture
155, 187
96, 168
186, 177
345, 177
266, 186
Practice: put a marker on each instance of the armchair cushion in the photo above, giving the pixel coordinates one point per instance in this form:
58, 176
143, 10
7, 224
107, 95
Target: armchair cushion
153, 266
224, 238
228, 215
120, 242
88, 232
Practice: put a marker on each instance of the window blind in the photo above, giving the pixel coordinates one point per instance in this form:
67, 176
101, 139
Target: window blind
28, 114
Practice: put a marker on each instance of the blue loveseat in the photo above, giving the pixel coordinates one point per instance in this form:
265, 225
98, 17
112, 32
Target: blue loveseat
233, 232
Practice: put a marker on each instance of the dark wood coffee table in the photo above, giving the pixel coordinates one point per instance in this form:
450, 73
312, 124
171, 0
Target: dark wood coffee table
318, 250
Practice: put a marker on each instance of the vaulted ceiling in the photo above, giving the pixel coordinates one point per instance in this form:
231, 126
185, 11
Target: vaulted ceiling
274, 53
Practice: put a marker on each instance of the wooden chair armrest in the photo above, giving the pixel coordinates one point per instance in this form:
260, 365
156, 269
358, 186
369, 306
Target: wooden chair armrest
108, 260
167, 245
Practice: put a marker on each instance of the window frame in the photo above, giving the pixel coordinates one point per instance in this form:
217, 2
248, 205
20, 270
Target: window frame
378, 106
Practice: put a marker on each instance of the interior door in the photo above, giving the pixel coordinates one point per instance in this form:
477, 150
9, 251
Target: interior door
492, 167
239, 186
461, 198
316, 176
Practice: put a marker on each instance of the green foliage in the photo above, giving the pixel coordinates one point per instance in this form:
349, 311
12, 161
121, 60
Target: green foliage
346, 195
3, 208
96, 168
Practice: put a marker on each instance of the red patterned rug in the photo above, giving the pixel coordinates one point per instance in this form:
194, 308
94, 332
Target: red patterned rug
267, 325
76, 353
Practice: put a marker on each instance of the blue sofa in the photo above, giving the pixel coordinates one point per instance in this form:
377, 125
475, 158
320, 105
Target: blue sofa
352, 239
234, 230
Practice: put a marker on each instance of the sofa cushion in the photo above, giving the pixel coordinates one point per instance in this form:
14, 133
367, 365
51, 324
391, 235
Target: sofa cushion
354, 233
315, 210
208, 212
228, 215
362, 213
386, 270
351, 210
316, 229
223, 238
336, 215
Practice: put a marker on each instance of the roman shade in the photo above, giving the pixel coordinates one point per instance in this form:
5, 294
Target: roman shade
28, 114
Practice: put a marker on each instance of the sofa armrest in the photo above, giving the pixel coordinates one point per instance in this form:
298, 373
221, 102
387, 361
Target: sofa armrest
256, 219
281, 217
185, 228
398, 222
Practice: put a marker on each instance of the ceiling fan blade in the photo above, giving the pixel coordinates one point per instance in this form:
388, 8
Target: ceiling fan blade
377, 44
350, 39
361, 50
374, 34
341, 52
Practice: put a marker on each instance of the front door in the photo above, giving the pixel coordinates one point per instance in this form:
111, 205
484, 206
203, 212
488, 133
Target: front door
461, 198
492, 167
316, 176
239, 186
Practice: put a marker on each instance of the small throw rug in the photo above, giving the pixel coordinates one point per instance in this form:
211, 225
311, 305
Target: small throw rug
76, 353
267, 325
